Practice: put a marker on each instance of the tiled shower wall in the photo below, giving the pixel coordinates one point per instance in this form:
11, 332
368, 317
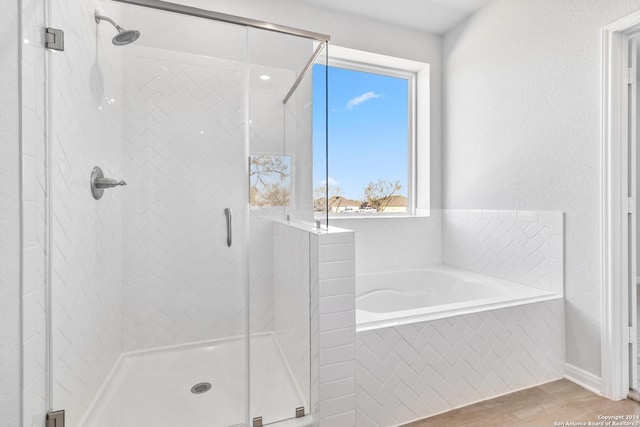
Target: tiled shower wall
86, 257
184, 121
184, 163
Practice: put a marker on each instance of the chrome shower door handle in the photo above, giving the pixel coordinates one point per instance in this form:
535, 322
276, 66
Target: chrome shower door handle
228, 214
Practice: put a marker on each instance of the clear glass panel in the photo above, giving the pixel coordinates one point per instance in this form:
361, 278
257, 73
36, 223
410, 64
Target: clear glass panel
280, 155
149, 300
323, 185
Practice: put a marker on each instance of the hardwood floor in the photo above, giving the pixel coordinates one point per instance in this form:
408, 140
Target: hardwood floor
547, 405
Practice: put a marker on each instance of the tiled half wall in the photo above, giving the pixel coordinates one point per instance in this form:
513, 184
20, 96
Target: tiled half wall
330, 280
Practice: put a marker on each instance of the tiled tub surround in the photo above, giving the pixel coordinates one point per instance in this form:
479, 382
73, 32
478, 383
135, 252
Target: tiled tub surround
524, 247
417, 370
430, 363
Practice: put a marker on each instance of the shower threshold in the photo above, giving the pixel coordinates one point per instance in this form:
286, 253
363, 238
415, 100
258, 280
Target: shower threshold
201, 384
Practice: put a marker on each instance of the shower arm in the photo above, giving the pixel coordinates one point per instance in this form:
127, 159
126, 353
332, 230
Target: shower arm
99, 18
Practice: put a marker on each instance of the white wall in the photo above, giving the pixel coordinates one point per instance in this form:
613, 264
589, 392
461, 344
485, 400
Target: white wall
10, 333
358, 33
522, 128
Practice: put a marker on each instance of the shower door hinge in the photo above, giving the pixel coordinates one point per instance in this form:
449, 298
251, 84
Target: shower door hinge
55, 419
631, 205
54, 39
632, 337
631, 76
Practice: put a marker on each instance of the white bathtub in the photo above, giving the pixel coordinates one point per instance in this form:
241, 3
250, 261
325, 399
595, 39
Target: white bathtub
409, 296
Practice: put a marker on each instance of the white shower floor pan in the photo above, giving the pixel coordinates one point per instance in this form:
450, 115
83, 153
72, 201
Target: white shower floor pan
153, 388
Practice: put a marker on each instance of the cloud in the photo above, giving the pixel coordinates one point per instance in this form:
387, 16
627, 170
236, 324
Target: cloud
354, 102
332, 182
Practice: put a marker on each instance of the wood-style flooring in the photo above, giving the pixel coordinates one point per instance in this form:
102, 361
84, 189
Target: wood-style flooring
544, 406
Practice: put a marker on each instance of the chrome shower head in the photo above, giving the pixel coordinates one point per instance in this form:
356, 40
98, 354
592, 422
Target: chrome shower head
124, 37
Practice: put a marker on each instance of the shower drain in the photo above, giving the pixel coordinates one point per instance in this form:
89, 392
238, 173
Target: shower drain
200, 388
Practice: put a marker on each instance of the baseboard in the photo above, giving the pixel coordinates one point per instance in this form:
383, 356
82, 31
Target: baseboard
583, 378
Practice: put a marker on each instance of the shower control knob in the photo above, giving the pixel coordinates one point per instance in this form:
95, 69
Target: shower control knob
99, 183
107, 183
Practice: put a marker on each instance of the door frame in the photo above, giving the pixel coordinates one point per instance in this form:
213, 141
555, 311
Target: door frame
615, 316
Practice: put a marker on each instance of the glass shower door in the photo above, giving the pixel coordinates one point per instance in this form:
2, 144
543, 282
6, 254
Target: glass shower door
280, 189
148, 287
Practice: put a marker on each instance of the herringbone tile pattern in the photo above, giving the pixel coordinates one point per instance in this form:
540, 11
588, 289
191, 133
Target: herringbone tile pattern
86, 107
184, 161
409, 372
518, 251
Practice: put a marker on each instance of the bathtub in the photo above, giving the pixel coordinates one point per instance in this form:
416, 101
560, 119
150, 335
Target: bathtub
439, 338
402, 297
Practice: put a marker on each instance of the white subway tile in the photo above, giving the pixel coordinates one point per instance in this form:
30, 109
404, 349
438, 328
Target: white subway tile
338, 371
343, 252
345, 353
474, 213
336, 270
338, 303
528, 216
337, 406
490, 214
329, 287
347, 419
557, 247
337, 337
338, 388
557, 274
555, 220
345, 319
334, 238
508, 215
456, 213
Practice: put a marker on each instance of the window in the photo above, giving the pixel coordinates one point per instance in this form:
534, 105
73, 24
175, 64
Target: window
372, 139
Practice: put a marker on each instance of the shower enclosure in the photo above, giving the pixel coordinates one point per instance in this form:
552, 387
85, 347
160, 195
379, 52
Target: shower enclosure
162, 305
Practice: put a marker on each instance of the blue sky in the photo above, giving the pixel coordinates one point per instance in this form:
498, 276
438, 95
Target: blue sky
368, 129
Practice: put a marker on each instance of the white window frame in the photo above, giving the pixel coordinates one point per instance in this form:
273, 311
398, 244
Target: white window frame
417, 75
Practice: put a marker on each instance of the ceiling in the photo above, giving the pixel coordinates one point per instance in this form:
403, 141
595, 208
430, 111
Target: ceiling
433, 16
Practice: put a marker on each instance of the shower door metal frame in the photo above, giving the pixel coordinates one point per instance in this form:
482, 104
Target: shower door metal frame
223, 17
